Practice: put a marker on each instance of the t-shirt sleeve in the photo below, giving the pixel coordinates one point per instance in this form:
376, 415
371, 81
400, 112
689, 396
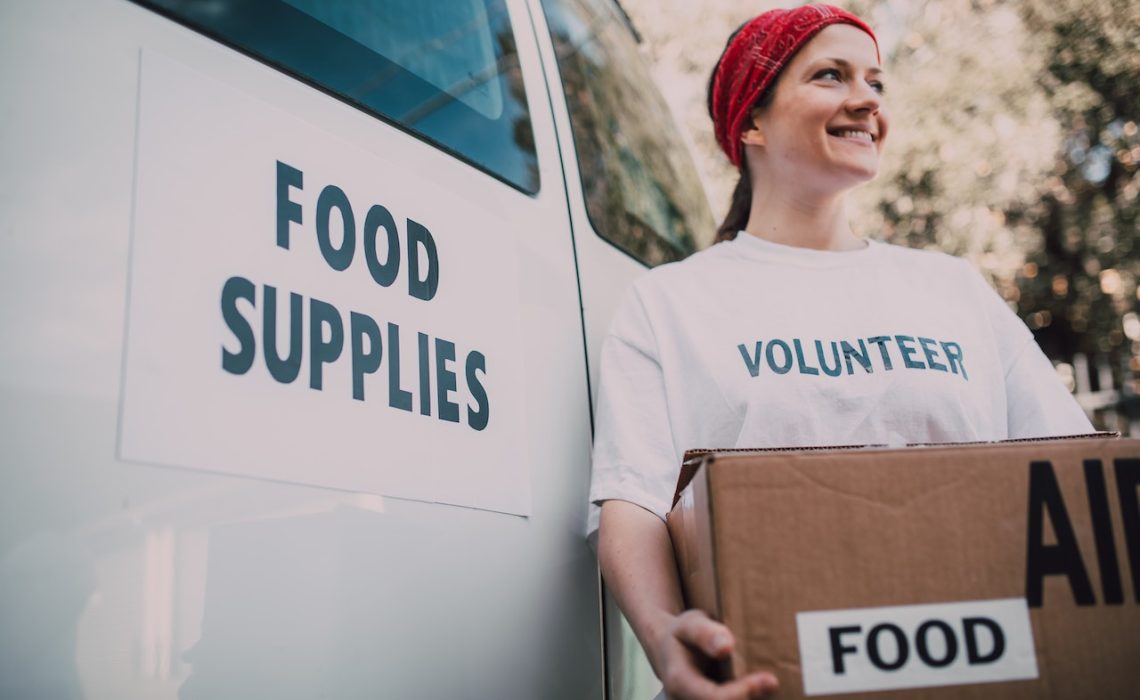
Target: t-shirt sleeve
634, 457
1037, 403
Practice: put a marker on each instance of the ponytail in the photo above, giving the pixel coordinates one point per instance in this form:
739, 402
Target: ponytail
741, 206
738, 210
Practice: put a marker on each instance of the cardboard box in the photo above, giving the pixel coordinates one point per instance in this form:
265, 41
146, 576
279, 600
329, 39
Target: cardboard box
1002, 570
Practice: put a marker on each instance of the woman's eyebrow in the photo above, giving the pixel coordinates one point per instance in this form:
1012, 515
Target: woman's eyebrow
843, 63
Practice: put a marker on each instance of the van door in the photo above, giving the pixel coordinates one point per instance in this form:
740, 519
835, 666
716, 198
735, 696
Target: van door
635, 201
293, 395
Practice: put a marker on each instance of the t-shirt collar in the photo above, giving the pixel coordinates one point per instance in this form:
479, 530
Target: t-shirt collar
751, 246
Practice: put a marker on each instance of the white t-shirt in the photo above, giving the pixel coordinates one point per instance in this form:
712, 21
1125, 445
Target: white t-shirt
755, 344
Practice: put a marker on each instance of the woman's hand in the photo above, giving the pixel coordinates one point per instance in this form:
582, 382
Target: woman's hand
691, 642
636, 558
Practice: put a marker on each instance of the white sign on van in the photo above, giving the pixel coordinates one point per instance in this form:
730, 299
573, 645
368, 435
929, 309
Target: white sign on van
916, 646
301, 310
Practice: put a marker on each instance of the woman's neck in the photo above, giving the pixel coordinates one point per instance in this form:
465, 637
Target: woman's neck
817, 222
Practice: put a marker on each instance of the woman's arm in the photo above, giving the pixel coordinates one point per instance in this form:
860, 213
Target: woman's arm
1037, 403
637, 563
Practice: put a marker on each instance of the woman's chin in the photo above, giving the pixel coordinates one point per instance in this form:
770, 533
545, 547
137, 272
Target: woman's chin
861, 175
853, 177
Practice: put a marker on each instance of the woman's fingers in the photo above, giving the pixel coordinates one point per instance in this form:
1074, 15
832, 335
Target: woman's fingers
695, 636
754, 687
707, 636
693, 686
761, 685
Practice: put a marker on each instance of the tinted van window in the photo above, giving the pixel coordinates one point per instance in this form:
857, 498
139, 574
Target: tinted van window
445, 70
642, 191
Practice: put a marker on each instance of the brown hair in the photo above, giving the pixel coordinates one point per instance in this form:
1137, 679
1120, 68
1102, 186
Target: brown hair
741, 205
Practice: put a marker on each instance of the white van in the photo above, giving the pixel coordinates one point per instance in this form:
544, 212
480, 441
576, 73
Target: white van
302, 302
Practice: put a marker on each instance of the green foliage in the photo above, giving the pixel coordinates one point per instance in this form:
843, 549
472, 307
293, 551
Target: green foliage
1081, 279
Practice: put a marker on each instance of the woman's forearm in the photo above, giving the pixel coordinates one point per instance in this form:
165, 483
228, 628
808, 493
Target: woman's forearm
637, 562
636, 558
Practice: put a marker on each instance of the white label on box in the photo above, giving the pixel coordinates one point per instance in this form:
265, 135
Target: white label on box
916, 646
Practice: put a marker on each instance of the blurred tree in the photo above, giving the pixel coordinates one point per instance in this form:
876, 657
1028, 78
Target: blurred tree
970, 132
1078, 289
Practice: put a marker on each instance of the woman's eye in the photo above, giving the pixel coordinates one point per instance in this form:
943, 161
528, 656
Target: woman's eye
828, 74
878, 86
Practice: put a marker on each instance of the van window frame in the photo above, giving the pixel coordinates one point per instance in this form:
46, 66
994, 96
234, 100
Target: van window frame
604, 232
292, 73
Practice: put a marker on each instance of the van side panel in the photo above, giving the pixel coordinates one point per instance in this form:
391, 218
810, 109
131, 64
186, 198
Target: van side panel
246, 560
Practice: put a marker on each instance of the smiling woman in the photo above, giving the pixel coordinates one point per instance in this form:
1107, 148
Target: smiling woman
793, 330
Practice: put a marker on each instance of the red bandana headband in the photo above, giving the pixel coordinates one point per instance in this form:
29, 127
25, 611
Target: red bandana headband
754, 58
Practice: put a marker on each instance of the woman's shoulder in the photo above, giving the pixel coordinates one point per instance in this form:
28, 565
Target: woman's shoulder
948, 273
922, 256
660, 291
925, 260
691, 269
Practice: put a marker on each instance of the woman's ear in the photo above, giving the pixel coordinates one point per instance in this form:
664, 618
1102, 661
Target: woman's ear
753, 137
754, 134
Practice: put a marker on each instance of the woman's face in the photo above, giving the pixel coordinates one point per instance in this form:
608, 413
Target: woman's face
826, 125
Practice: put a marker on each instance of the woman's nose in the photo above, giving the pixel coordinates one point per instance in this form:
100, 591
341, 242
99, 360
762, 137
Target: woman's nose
865, 98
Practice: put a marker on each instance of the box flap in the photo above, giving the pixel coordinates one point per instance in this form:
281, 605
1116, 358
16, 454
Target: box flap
695, 457
689, 466
691, 528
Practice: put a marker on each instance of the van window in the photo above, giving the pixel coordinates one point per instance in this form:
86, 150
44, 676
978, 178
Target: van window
642, 191
446, 70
